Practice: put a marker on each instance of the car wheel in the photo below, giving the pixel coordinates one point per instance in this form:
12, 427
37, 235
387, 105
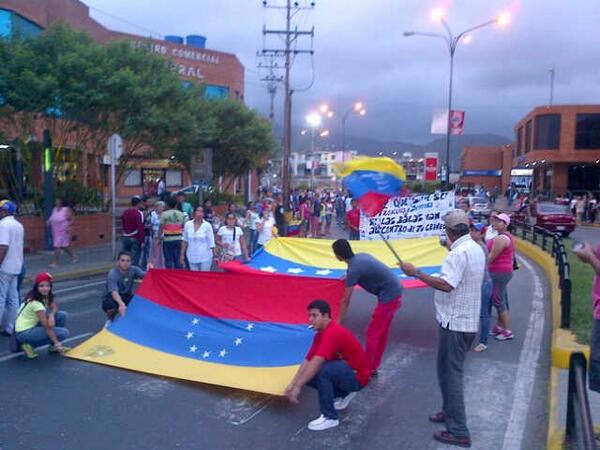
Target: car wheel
566, 234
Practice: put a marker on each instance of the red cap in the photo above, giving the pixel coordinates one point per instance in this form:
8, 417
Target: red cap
43, 276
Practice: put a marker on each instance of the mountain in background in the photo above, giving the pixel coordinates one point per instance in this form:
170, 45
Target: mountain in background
371, 147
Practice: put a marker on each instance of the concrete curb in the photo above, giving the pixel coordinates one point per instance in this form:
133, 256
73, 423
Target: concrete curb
74, 274
562, 345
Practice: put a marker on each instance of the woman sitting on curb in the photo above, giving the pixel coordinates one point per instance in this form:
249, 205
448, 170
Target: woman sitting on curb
39, 322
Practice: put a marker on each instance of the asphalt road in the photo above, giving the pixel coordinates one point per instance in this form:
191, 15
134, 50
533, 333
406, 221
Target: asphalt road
56, 403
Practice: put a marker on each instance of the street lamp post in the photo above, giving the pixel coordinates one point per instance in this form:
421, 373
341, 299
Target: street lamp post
314, 121
452, 42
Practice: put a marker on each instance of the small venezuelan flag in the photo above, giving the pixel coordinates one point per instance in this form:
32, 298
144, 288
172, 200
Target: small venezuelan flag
372, 181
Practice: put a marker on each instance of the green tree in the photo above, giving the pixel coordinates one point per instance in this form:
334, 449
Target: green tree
242, 141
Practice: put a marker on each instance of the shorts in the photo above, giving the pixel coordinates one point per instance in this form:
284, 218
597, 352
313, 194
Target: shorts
499, 290
109, 304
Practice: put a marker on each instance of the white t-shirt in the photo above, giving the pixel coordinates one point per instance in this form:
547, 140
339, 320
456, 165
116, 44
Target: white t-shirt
267, 231
490, 233
200, 242
348, 203
253, 219
12, 235
227, 238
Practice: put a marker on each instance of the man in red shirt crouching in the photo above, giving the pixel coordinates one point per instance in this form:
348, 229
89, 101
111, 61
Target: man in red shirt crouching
336, 365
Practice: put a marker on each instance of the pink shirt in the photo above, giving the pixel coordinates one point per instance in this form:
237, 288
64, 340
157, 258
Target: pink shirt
504, 261
596, 289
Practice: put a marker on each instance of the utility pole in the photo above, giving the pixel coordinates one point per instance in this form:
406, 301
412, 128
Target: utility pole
551, 70
268, 62
290, 37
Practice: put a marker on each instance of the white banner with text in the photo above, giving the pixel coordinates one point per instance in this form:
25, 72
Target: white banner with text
408, 217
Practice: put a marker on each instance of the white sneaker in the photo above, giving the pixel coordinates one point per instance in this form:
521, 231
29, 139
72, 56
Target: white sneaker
107, 323
322, 423
342, 403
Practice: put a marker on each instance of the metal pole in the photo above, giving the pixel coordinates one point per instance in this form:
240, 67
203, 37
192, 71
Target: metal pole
344, 117
452, 48
287, 125
48, 186
113, 201
312, 161
551, 86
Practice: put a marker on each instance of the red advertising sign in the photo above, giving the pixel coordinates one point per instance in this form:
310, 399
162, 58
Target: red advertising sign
431, 166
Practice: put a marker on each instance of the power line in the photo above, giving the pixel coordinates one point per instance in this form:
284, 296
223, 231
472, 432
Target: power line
120, 19
291, 35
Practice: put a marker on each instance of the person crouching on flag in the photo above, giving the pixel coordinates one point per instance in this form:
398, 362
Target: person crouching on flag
377, 279
335, 365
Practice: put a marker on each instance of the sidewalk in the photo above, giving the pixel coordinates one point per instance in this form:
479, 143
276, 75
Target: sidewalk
92, 261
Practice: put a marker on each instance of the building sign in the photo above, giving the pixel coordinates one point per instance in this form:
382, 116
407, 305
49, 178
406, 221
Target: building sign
482, 173
408, 217
439, 122
177, 52
457, 122
431, 166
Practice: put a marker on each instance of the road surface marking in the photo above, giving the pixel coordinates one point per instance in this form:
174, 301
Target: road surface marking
241, 407
75, 288
528, 361
16, 355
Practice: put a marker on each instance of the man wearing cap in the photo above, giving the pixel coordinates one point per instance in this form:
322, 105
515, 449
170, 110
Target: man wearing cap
457, 303
11, 262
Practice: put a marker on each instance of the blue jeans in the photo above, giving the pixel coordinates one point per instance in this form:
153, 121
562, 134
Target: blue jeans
20, 279
486, 312
37, 335
133, 247
9, 300
172, 252
334, 379
253, 241
146, 251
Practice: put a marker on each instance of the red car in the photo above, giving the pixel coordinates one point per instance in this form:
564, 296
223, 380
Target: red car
550, 216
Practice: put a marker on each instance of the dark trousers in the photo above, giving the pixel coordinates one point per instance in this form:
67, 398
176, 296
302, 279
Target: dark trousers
146, 252
453, 347
133, 247
172, 252
594, 370
334, 379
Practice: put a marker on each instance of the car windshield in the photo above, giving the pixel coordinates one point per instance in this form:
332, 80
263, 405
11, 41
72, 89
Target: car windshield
480, 200
548, 208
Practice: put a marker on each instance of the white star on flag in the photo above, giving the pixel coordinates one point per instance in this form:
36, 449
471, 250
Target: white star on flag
195, 321
435, 274
250, 327
222, 353
237, 341
295, 270
193, 349
205, 354
323, 272
189, 335
268, 269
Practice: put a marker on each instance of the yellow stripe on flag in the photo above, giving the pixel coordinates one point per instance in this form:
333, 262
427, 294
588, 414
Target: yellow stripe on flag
111, 350
424, 252
383, 164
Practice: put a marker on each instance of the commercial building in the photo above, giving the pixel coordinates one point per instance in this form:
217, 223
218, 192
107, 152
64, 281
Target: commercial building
317, 168
556, 151
221, 73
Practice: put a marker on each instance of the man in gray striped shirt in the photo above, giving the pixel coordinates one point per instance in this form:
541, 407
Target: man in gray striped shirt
457, 303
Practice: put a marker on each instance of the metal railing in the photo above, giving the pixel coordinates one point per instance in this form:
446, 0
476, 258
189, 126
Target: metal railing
580, 427
553, 244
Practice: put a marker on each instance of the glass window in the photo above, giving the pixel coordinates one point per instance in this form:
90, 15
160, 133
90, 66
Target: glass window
528, 136
212, 91
174, 177
25, 28
520, 141
547, 132
133, 177
587, 131
5, 23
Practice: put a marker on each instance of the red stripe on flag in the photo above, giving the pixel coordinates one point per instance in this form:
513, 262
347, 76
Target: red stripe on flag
241, 296
372, 203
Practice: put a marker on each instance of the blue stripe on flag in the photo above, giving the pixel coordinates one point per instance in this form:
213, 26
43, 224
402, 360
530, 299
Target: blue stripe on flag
360, 182
222, 341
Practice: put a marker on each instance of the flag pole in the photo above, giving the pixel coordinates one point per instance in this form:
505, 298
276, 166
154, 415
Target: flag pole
385, 240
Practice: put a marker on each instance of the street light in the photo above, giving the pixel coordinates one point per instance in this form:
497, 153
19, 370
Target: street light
357, 108
437, 15
314, 121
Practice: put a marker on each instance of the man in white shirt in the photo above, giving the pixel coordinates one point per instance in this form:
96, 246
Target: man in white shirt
458, 304
11, 262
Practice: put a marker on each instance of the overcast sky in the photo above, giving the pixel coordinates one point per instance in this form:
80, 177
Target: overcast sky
360, 53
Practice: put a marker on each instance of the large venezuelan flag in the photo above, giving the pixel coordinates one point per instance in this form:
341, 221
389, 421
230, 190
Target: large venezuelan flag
372, 181
247, 331
315, 258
